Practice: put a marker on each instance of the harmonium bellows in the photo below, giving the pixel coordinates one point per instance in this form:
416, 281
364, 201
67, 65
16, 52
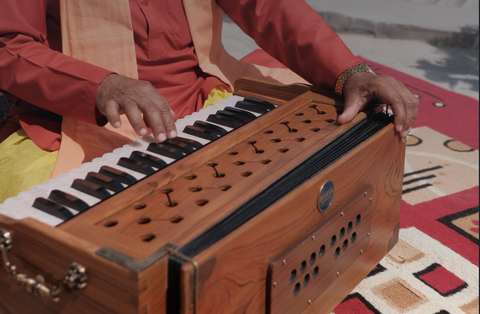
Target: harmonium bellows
264, 204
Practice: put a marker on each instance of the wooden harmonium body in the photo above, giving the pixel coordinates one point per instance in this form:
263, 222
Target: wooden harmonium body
285, 214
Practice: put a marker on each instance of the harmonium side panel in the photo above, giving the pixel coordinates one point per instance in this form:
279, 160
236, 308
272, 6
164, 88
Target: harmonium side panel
233, 271
38, 249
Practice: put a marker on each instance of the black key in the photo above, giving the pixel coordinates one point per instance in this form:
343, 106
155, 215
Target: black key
69, 200
183, 147
90, 188
52, 208
166, 150
193, 143
240, 119
241, 113
118, 175
222, 120
137, 166
251, 107
209, 126
105, 181
148, 159
201, 132
263, 103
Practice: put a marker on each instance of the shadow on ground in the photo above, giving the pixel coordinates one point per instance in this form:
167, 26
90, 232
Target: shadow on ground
460, 66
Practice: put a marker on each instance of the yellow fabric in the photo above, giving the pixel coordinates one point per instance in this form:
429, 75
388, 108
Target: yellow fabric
216, 94
23, 165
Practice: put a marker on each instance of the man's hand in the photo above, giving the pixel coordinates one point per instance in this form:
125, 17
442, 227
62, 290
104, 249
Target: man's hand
118, 95
362, 87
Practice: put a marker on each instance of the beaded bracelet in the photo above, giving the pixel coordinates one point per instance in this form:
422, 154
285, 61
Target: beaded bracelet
346, 75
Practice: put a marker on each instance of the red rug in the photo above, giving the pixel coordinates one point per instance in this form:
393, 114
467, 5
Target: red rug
434, 267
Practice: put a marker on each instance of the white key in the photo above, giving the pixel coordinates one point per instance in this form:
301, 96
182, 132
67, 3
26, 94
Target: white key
21, 206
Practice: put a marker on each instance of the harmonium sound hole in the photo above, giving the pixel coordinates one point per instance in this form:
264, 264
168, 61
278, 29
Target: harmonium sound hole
225, 187
296, 289
322, 251
110, 223
195, 188
337, 252
144, 220
139, 205
293, 275
332, 241
202, 202
176, 219
349, 227
190, 177
303, 266
359, 218
354, 237
147, 237
306, 280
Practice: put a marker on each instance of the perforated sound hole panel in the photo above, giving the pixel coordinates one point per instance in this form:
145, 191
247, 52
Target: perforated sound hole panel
311, 264
204, 190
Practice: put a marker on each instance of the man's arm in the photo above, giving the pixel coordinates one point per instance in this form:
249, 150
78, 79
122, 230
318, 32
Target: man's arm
32, 71
46, 78
297, 36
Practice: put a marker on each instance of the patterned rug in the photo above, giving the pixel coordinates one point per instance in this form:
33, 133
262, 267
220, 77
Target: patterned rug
434, 267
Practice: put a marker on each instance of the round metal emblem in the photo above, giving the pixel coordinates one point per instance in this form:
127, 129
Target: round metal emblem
325, 196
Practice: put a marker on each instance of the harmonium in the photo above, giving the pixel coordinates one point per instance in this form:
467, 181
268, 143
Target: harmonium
263, 204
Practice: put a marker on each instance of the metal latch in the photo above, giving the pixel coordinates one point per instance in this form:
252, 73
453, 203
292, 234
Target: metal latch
76, 278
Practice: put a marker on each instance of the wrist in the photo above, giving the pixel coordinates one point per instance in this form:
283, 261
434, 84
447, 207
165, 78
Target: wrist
345, 75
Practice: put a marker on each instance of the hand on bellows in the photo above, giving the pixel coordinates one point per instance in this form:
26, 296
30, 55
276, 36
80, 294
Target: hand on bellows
363, 87
119, 94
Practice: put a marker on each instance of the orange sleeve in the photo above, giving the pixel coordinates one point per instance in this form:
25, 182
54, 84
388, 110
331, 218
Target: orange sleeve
293, 33
31, 70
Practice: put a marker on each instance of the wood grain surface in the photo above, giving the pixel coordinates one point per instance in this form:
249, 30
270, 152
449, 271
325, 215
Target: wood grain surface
237, 284
204, 187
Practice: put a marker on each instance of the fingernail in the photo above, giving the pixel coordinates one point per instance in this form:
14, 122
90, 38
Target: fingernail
173, 134
116, 125
404, 140
143, 131
161, 137
405, 134
400, 128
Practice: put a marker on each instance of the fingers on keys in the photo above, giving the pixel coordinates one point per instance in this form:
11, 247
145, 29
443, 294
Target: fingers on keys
361, 88
118, 94
404, 104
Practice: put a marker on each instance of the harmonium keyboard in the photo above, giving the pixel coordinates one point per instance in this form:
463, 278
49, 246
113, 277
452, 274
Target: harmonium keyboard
263, 204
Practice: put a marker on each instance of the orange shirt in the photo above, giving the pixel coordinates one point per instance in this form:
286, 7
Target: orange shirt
34, 69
